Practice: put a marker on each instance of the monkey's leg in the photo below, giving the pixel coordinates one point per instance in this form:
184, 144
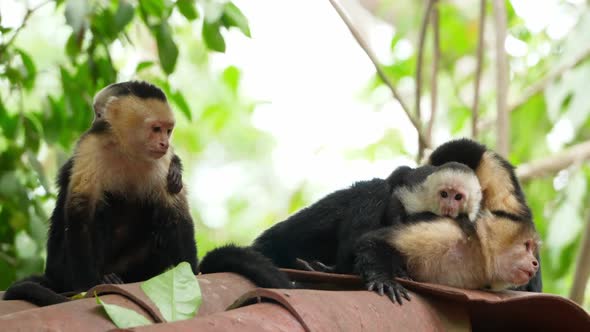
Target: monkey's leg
378, 263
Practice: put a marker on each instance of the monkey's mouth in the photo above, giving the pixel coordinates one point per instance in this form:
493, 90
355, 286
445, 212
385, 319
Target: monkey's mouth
157, 154
449, 212
522, 276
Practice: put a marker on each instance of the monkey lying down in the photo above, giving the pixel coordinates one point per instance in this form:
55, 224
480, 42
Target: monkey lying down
121, 213
406, 226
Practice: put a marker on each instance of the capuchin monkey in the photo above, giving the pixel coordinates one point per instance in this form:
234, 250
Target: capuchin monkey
450, 190
322, 237
502, 193
121, 213
504, 254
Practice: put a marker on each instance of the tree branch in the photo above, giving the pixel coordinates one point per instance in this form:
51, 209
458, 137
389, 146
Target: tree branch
541, 84
418, 94
28, 14
502, 73
553, 164
434, 79
478, 69
582, 268
379, 70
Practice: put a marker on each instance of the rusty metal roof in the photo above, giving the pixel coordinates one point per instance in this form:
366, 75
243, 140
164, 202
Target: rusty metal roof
331, 303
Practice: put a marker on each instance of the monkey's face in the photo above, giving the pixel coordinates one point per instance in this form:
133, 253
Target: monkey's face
451, 200
158, 137
518, 264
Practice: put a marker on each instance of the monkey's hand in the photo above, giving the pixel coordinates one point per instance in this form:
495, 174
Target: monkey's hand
316, 266
174, 180
383, 284
111, 278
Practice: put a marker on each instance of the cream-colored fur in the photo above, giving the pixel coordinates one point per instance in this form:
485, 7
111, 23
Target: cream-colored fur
110, 161
496, 185
425, 196
439, 252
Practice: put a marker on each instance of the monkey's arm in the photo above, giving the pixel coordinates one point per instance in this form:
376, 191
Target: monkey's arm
174, 178
174, 237
80, 244
378, 263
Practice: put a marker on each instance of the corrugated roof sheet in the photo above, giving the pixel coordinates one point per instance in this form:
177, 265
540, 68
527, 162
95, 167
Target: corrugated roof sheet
232, 303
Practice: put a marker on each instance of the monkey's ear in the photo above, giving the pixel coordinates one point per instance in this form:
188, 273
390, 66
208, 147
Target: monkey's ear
101, 105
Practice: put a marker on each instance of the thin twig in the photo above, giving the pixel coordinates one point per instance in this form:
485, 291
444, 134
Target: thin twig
555, 163
418, 94
582, 268
359, 39
541, 84
478, 69
434, 79
8, 259
28, 14
502, 72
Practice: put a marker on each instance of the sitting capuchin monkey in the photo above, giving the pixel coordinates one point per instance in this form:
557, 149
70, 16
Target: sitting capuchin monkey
323, 236
122, 213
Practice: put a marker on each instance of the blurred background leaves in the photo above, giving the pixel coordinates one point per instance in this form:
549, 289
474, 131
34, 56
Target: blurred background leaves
55, 55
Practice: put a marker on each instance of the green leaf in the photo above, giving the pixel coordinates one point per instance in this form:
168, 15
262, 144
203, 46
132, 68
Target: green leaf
38, 168
180, 101
153, 7
176, 292
72, 46
233, 17
143, 65
30, 69
167, 49
231, 77
122, 317
124, 15
212, 36
187, 9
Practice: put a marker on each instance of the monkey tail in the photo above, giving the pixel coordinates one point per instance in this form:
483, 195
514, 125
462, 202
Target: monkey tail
35, 290
247, 262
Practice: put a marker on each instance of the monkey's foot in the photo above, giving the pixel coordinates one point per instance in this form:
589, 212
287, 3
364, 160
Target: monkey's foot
315, 266
111, 278
387, 286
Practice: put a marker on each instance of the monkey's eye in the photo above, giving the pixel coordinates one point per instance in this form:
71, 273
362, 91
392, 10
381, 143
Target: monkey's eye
169, 132
458, 197
156, 129
444, 194
528, 245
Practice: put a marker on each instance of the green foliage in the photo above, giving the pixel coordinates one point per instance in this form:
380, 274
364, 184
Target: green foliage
46, 100
121, 316
175, 292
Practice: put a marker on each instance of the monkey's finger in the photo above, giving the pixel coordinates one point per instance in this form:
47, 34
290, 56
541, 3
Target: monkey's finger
392, 295
405, 294
319, 266
398, 298
371, 286
302, 264
380, 289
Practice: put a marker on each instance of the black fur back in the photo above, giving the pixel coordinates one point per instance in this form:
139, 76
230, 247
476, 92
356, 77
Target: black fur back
246, 262
462, 150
